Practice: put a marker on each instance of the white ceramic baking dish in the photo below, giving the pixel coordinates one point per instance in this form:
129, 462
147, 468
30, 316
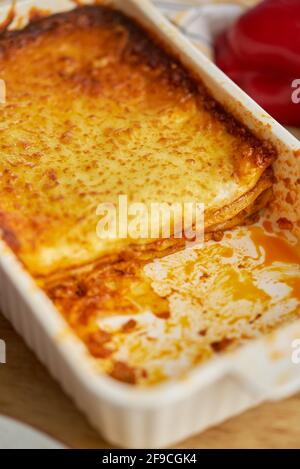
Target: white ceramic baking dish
225, 386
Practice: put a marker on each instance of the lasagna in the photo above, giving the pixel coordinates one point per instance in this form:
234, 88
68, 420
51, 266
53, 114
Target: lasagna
96, 107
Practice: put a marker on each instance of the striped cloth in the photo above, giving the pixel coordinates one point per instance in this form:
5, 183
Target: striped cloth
201, 20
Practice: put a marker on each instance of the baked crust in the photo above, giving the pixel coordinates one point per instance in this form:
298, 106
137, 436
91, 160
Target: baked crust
96, 107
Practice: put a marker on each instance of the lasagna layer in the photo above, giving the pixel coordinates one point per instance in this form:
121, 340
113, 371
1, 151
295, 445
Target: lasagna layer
96, 108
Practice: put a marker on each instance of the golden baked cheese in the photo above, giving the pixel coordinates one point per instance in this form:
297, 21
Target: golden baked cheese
96, 108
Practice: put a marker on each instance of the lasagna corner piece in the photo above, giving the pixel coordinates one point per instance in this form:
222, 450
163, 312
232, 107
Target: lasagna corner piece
96, 108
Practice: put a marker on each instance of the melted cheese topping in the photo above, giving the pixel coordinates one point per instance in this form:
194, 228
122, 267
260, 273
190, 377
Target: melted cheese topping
95, 109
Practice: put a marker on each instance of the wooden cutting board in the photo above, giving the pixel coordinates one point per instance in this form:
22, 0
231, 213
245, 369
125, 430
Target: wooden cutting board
28, 393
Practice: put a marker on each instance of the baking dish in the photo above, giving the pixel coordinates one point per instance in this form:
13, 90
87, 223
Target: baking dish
210, 393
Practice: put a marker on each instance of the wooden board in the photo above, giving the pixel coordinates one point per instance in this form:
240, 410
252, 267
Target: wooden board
28, 393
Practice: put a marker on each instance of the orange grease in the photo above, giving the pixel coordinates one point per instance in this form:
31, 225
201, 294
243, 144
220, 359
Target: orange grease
276, 248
